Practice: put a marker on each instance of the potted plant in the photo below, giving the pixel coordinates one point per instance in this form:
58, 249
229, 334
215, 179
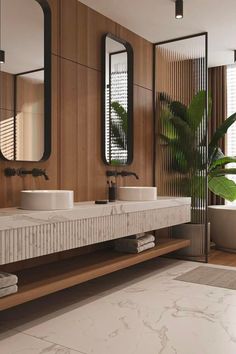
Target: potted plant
179, 133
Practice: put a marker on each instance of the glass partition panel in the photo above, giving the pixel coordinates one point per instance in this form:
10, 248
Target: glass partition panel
181, 136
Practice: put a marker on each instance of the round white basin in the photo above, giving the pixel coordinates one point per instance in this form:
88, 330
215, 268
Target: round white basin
137, 193
47, 199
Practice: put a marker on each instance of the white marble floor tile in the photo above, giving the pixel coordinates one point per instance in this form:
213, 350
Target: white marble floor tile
141, 310
12, 342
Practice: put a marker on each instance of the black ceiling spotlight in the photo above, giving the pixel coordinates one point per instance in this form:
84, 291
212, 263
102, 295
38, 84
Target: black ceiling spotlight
179, 9
235, 56
2, 56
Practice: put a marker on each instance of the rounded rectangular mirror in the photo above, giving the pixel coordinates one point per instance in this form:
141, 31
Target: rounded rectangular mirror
25, 80
117, 101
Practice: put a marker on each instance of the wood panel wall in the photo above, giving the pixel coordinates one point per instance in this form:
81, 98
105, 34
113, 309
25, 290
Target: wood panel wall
75, 162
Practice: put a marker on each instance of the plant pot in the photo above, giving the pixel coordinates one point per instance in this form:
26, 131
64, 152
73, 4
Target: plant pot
196, 234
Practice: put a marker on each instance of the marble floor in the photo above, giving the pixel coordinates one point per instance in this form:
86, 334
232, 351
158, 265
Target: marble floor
140, 310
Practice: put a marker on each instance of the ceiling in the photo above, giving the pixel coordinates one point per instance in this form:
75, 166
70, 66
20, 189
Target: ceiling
155, 21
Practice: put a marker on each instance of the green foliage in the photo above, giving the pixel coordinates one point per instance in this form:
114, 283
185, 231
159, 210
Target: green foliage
221, 161
115, 162
180, 126
196, 110
179, 131
222, 186
119, 127
218, 183
220, 133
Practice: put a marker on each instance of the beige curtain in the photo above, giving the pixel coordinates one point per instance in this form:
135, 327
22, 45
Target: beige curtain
217, 80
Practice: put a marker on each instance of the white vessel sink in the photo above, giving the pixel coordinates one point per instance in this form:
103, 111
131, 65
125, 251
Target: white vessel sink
137, 193
47, 199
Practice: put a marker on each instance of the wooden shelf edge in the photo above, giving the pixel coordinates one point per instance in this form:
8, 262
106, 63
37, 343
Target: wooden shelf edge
70, 272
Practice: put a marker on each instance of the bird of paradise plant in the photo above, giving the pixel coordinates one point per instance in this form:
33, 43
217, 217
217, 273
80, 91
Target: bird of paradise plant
181, 125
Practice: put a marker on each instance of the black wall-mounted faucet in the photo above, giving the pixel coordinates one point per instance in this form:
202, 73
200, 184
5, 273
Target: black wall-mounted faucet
21, 172
110, 173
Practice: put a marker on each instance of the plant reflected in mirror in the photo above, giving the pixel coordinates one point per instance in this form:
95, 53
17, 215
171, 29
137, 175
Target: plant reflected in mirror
119, 129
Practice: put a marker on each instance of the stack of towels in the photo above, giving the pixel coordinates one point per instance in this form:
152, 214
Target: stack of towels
135, 244
8, 284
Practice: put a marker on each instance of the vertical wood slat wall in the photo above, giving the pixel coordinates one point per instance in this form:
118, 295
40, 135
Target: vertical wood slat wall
76, 161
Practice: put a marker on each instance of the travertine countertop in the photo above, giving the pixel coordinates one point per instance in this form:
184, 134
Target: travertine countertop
12, 218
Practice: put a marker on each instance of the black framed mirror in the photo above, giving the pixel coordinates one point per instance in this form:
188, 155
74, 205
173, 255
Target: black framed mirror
117, 101
25, 80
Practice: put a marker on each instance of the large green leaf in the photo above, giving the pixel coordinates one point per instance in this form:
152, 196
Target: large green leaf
122, 114
183, 130
222, 162
119, 127
220, 132
196, 110
179, 162
223, 172
216, 155
179, 110
165, 139
167, 127
223, 187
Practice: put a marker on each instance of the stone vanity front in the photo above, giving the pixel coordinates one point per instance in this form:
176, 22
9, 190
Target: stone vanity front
28, 234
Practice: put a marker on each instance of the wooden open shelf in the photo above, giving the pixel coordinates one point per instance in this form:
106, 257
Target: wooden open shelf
47, 279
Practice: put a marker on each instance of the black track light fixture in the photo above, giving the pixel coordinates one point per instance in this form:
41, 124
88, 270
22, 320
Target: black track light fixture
2, 56
179, 9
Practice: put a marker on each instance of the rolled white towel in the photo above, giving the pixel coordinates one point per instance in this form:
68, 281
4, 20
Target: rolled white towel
129, 242
137, 236
131, 249
8, 290
145, 247
149, 234
7, 279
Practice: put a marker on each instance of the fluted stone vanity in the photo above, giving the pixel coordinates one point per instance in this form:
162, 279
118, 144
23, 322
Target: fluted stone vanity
26, 234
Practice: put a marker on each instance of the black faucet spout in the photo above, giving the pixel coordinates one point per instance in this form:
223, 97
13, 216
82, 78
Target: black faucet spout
127, 173
110, 173
36, 172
